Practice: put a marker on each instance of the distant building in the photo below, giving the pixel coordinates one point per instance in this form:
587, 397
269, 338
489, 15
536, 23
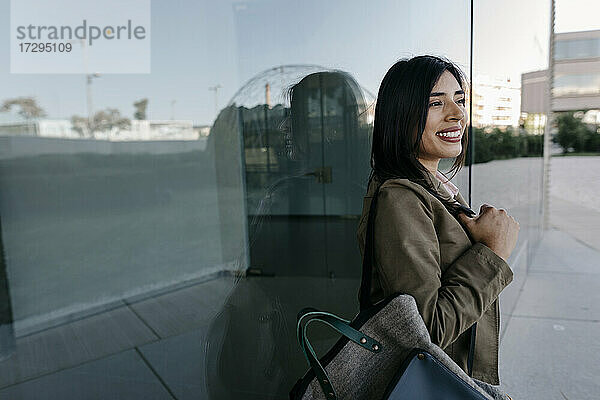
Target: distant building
152, 130
496, 102
534, 93
576, 76
16, 125
139, 130
56, 128
202, 130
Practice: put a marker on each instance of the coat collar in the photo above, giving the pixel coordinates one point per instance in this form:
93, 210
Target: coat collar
437, 186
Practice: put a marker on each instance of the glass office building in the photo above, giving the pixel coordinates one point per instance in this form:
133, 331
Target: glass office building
166, 255
576, 83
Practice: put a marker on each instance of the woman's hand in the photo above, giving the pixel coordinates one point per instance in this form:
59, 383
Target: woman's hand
494, 228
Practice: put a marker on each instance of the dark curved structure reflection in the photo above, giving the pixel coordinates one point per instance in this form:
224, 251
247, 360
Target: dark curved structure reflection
311, 175
305, 165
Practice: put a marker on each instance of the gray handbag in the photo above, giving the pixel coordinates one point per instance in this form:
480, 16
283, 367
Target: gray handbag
384, 353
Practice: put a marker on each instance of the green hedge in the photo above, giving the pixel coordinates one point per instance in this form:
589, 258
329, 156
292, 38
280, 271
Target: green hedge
511, 143
574, 135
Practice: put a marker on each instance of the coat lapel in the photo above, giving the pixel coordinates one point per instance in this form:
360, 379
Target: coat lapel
460, 199
440, 189
437, 186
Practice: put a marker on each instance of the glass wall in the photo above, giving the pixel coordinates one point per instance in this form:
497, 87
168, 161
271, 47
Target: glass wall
576, 84
577, 48
161, 231
508, 153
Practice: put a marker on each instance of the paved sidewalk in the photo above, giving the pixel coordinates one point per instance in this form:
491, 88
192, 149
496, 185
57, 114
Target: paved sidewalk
551, 346
578, 220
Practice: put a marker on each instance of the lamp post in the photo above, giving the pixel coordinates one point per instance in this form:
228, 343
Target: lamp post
215, 89
89, 78
173, 109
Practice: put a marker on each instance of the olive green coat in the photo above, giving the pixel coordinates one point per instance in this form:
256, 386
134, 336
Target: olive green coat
422, 250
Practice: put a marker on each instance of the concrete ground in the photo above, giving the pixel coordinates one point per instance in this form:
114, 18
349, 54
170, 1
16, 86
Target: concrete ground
156, 348
550, 347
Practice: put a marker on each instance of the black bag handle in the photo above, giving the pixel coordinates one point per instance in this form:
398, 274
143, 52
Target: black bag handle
367, 272
309, 315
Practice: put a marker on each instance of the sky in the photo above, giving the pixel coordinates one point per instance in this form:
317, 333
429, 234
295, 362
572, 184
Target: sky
196, 44
577, 15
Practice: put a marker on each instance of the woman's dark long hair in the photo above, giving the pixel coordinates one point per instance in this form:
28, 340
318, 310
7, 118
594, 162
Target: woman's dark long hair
400, 117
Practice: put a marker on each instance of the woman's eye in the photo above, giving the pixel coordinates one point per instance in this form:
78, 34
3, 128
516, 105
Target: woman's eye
439, 103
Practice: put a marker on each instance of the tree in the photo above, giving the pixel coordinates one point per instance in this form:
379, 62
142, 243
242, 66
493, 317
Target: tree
102, 121
28, 107
482, 146
533, 145
572, 132
140, 109
507, 143
592, 141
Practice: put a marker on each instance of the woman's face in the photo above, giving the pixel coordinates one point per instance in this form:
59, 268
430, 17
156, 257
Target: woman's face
446, 122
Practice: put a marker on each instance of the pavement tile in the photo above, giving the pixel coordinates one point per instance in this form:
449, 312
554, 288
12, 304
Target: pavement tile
550, 359
558, 295
180, 362
74, 343
561, 252
124, 376
249, 350
577, 218
184, 309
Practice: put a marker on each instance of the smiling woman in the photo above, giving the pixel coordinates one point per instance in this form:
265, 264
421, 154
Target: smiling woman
420, 106
425, 246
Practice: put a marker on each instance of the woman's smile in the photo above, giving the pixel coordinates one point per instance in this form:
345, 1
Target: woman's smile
452, 135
